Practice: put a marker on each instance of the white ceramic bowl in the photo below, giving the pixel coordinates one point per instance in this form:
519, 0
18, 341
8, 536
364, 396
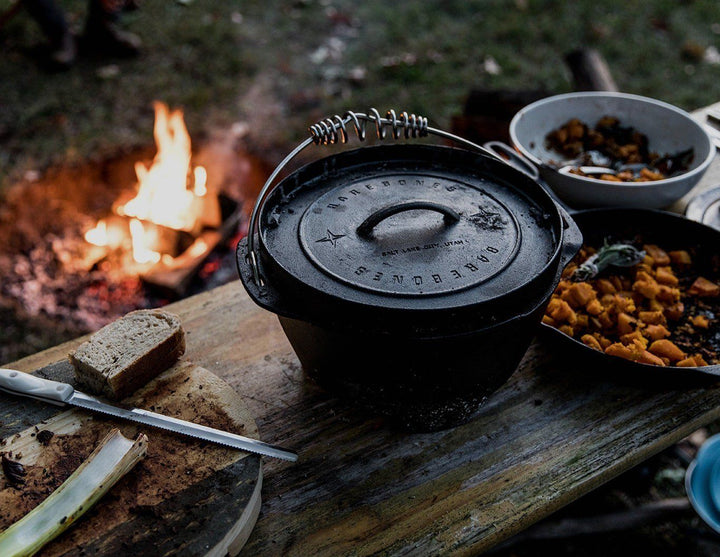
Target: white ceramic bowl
668, 128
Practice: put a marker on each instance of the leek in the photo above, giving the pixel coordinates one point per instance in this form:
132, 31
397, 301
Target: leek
110, 461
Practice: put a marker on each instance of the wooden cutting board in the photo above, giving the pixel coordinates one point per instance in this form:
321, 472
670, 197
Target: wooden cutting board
187, 497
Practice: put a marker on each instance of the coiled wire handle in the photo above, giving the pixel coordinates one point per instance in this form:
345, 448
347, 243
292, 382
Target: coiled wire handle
335, 130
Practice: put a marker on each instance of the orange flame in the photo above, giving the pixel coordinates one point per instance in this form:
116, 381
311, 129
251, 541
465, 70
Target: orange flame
97, 236
170, 192
163, 196
141, 254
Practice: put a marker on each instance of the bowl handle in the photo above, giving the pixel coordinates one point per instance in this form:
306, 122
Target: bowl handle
334, 130
513, 158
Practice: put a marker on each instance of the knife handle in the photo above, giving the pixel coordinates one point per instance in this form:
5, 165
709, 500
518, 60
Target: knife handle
19, 383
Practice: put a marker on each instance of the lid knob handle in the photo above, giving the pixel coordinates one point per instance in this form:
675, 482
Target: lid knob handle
366, 227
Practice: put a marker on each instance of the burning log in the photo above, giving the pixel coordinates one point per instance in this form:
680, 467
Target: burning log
58, 279
173, 220
116, 232
173, 277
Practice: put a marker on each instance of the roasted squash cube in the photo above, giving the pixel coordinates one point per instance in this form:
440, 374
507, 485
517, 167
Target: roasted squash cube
658, 254
667, 349
704, 288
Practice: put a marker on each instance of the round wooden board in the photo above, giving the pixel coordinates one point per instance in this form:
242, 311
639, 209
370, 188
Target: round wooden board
187, 497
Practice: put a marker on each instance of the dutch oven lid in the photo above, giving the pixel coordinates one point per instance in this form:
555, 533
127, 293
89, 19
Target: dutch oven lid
437, 231
408, 233
409, 226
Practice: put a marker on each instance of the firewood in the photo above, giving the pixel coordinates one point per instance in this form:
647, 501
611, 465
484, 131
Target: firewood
590, 71
174, 280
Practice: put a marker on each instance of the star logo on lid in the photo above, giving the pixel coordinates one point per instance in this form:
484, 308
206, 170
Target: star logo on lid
332, 238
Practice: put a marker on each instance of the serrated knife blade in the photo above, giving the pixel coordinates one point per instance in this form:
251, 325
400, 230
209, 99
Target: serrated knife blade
54, 392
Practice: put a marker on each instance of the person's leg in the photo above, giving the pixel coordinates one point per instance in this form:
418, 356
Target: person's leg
102, 32
53, 24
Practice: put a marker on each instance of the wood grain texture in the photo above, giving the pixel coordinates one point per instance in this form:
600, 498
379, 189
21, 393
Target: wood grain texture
555, 431
187, 497
552, 433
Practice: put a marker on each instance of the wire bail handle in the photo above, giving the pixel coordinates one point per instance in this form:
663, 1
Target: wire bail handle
334, 129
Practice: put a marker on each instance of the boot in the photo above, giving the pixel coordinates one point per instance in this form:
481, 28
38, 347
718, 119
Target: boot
102, 33
53, 24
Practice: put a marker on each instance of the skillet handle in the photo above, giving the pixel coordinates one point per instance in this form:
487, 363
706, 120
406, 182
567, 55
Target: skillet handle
572, 238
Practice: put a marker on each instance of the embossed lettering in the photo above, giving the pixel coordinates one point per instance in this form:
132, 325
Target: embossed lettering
491, 249
419, 182
483, 258
398, 279
385, 183
470, 266
402, 182
354, 192
333, 205
417, 279
342, 198
361, 270
370, 186
455, 273
437, 279
377, 276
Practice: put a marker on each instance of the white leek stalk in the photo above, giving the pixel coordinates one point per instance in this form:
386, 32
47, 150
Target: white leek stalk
110, 461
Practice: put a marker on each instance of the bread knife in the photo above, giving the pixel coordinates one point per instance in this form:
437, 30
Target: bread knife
61, 394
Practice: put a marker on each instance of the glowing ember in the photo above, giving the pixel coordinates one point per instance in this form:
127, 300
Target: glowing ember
198, 248
200, 181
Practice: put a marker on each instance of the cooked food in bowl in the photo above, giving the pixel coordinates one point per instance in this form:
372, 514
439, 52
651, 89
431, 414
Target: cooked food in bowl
639, 302
608, 143
668, 130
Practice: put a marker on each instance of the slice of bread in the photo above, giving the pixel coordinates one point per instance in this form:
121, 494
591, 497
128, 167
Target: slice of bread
127, 353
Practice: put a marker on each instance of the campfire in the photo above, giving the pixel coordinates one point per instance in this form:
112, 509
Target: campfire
173, 220
85, 243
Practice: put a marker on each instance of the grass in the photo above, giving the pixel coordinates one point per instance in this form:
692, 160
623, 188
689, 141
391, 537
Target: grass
281, 64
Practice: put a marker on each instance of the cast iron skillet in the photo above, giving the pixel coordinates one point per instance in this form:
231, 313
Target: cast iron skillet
669, 230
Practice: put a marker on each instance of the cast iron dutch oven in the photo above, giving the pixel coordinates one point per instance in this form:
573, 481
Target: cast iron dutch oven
408, 278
